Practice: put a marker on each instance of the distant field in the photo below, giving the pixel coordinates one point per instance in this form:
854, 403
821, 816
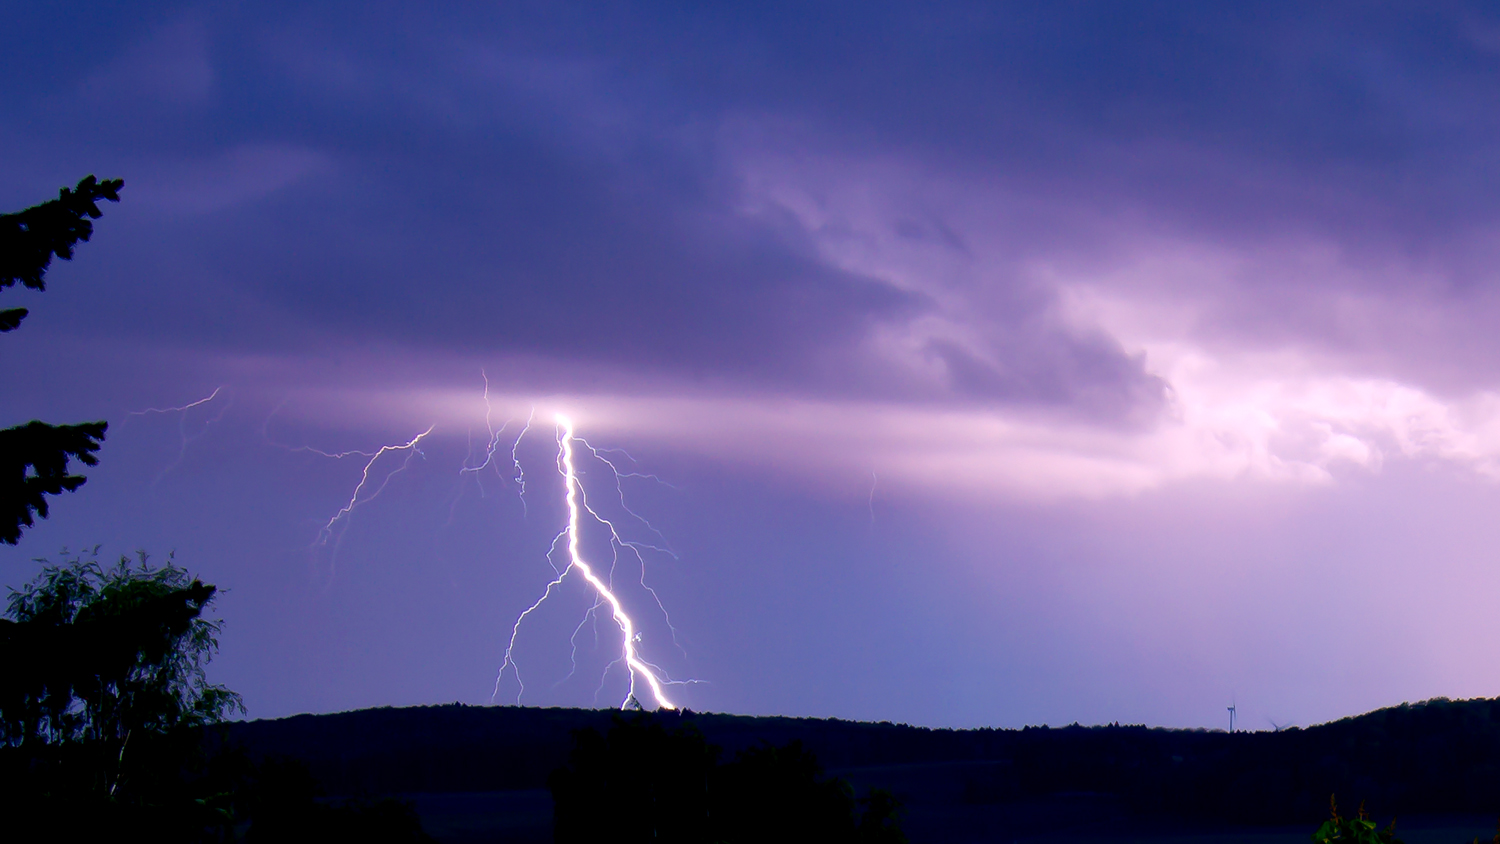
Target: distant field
511, 817
1444, 829
525, 817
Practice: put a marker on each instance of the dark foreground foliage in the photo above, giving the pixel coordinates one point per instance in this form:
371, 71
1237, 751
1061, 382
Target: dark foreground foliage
34, 464
641, 783
281, 802
103, 701
109, 729
34, 457
183, 795
30, 239
1340, 829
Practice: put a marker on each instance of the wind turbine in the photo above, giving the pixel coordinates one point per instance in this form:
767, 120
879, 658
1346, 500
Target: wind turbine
1231, 717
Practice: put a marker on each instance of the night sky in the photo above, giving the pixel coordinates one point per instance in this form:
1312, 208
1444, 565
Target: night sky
990, 364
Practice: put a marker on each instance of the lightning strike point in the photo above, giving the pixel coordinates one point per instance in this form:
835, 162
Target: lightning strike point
631, 657
641, 672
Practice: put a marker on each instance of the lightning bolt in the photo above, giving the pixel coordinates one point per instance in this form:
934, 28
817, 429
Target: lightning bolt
205, 400
640, 670
333, 527
620, 542
181, 426
645, 678
336, 526
491, 444
520, 477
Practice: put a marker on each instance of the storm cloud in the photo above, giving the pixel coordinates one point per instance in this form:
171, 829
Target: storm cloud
1021, 267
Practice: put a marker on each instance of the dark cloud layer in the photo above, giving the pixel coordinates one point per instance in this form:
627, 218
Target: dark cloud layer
558, 181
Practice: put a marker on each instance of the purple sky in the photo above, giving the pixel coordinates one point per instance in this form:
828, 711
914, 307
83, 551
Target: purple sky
1001, 364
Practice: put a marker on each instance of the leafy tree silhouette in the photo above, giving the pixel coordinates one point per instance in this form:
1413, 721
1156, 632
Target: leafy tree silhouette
103, 689
34, 457
96, 654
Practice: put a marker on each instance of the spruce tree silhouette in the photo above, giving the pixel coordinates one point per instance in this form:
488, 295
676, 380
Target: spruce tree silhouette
34, 457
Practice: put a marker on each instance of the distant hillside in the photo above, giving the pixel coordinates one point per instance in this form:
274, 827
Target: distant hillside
1440, 756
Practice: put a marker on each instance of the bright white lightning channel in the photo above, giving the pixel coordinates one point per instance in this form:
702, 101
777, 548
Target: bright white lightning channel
638, 668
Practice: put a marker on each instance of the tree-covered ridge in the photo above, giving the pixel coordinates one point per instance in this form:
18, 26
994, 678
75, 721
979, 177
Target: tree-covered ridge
1439, 756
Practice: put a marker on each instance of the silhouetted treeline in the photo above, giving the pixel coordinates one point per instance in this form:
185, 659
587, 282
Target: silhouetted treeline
1435, 757
641, 782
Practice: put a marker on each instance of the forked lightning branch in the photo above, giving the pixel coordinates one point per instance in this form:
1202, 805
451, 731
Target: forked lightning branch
647, 681
640, 670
